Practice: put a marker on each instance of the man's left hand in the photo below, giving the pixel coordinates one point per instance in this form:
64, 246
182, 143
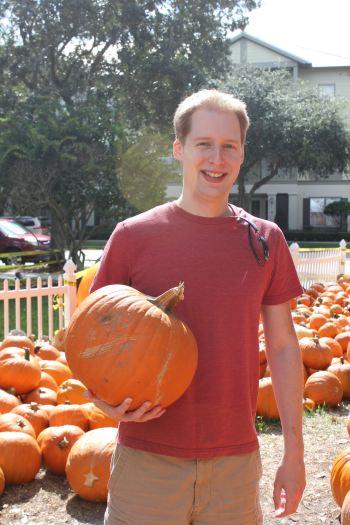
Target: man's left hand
289, 486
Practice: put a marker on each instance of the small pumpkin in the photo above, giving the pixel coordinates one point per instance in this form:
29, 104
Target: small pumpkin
36, 416
323, 387
11, 422
57, 370
315, 354
266, 405
71, 390
68, 414
21, 341
20, 457
7, 401
41, 395
21, 373
55, 444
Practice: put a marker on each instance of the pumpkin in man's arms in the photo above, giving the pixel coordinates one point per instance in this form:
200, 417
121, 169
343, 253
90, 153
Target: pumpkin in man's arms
121, 343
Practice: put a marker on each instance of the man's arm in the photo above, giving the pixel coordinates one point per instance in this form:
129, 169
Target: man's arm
284, 358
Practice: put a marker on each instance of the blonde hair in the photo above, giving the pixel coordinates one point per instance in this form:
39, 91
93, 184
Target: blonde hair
211, 99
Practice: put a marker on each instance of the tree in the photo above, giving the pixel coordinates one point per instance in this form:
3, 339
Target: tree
291, 127
145, 170
78, 77
340, 209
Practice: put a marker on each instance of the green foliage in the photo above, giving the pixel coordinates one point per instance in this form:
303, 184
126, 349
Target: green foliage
144, 171
291, 126
78, 78
341, 207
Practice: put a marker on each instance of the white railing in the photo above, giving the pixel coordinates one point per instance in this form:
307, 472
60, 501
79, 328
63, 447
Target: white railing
60, 299
319, 265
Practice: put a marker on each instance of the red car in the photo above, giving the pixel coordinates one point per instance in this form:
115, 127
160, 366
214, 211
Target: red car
16, 238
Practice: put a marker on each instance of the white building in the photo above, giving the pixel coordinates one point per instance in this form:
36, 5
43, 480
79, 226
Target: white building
298, 199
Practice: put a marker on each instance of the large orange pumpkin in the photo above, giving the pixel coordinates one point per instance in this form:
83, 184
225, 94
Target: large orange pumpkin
340, 476
121, 343
88, 464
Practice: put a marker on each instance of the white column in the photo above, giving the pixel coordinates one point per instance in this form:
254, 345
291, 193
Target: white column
70, 296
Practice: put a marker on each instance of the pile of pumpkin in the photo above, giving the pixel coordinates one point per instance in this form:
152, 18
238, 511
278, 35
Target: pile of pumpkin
321, 319
45, 419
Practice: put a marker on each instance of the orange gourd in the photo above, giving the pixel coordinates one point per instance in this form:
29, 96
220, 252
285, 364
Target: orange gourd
36, 416
21, 373
71, 390
20, 341
323, 387
11, 422
340, 476
122, 343
55, 444
20, 457
88, 463
86, 281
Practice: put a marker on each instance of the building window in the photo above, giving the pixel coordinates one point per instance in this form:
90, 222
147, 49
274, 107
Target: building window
326, 90
317, 217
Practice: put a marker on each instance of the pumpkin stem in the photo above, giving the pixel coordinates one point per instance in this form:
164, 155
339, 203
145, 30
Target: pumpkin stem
64, 442
169, 299
26, 354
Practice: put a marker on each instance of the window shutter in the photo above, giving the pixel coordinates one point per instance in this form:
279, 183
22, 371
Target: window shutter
306, 213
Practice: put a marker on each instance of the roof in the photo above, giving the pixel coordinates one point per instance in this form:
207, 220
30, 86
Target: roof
255, 40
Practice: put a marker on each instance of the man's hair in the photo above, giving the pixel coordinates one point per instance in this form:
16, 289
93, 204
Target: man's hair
211, 99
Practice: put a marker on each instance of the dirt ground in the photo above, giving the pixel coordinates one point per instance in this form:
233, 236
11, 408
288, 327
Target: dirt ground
48, 499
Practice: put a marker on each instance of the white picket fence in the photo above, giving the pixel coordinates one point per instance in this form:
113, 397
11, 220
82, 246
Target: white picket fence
60, 299
319, 265
60, 303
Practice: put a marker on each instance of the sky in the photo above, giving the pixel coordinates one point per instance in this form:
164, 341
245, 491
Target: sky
315, 30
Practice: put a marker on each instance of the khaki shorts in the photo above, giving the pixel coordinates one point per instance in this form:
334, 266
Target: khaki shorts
151, 489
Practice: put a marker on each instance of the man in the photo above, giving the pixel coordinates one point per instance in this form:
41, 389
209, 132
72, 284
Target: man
197, 462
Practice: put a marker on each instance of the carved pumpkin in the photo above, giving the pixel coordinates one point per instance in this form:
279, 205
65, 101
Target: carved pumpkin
121, 343
20, 457
55, 444
88, 464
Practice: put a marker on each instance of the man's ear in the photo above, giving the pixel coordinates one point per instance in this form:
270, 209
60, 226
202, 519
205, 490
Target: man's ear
177, 149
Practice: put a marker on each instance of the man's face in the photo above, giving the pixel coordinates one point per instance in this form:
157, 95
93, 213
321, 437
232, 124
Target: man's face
211, 155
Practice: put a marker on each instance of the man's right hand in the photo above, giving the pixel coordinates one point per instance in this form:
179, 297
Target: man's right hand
121, 413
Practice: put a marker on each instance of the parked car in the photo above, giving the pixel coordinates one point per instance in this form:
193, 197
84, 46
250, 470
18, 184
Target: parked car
34, 224
16, 238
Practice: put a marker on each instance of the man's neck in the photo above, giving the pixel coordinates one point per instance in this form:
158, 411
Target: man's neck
205, 209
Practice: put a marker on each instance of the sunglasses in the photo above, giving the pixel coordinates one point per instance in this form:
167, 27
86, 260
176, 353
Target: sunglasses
257, 242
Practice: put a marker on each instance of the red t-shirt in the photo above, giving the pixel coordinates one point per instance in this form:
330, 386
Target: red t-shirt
224, 290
